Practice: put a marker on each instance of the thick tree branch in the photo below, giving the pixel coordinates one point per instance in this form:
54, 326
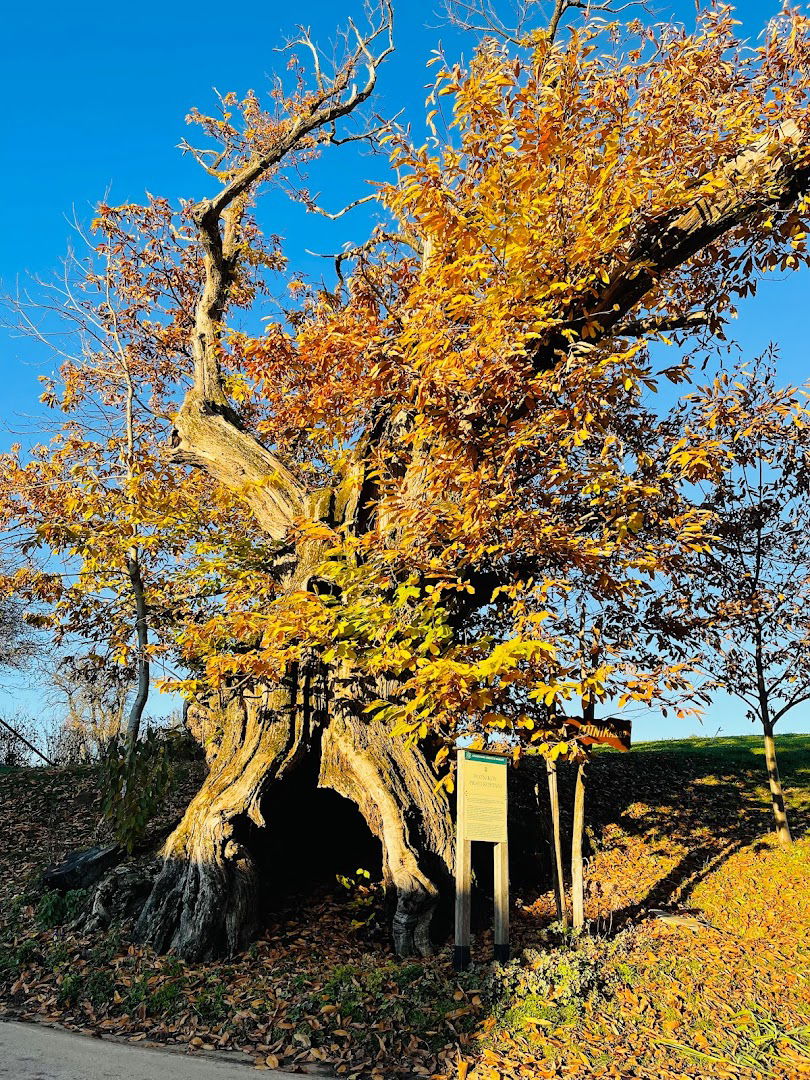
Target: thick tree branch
662, 324
772, 173
208, 431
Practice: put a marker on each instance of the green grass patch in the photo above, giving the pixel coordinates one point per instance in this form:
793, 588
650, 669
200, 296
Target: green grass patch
740, 749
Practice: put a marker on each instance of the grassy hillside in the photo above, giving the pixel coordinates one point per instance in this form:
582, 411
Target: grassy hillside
678, 825
742, 751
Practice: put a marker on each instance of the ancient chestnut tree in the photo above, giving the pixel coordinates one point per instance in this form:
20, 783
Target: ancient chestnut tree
420, 456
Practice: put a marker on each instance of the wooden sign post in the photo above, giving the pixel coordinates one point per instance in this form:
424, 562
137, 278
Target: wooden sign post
481, 815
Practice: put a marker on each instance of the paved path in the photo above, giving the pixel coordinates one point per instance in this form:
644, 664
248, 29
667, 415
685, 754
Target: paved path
33, 1052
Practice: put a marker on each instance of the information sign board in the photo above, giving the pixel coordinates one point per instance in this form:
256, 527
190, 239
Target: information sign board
481, 816
483, 802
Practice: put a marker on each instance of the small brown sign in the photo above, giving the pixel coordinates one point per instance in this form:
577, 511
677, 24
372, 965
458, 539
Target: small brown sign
615, 733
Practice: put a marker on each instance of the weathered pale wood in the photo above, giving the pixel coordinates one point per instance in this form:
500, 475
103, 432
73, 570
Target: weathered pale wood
207, 434
501, 883
203, 903
461, 951
556, 841
577, 868
204, 900
395, 791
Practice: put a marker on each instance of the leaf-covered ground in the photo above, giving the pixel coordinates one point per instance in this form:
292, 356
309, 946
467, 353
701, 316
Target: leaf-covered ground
678, 824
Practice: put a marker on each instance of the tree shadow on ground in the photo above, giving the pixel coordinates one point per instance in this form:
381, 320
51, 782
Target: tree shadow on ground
659, 821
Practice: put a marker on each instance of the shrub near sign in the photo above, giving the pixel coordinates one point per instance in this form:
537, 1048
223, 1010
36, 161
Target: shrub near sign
481, 815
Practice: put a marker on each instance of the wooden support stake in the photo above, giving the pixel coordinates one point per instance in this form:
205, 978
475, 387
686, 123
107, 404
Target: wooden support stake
559, 881
23, 739
577, 876
461, 949
501, 855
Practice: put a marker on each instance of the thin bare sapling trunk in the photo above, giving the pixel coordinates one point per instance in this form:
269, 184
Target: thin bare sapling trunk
142, 641
777, 793
578, 827
133, 561
781, 826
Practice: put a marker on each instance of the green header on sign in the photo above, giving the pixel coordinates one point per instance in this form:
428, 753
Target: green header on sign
493, 759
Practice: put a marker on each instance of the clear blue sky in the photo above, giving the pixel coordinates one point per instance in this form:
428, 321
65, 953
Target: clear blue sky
95, 97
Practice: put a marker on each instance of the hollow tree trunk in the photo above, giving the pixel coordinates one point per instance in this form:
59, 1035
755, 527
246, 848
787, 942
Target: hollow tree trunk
203, 903
204, 900
394, 788
777, 794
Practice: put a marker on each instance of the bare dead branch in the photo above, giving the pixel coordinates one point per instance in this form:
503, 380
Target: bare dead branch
23, 739
338, 99
315, 209
306, 42
210, 160
481, 17
370, 135
589, 7
208, 431
358, 251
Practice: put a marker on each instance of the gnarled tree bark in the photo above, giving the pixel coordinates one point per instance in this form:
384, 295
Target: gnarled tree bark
204, 900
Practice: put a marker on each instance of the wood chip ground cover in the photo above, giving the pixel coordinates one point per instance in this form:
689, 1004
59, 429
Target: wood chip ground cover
640, 997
